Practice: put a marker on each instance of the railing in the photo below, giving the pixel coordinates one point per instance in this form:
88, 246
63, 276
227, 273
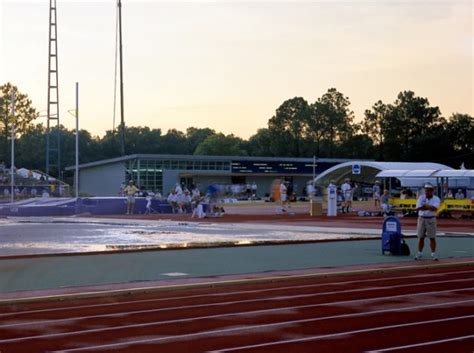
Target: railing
450, 206
456, 206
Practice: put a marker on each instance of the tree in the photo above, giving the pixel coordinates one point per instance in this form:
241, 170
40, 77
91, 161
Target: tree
25, 113
194, 136
109, 145
411, 121
88, 147
261, 143
30, 148
460, 132
316, 129
375, 125
357, 146
174, 142
142, 140
288, 127
221, 145
331, 120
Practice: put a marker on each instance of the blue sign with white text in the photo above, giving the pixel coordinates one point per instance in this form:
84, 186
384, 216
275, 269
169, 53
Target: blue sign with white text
356, 169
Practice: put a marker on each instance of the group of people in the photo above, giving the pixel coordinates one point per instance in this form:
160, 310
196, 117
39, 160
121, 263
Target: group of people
180, 199
458, 196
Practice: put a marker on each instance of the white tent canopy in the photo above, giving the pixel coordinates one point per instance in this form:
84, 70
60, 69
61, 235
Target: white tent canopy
455, 173
416, 173
416, 178
424, 173
368, 170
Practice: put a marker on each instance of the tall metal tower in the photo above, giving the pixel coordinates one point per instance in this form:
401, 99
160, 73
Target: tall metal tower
53, 141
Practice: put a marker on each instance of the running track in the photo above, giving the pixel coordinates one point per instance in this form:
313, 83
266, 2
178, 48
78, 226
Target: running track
425, 309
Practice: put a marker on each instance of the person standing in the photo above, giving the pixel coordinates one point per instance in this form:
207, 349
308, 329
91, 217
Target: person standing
254, 190
346, 190
283, 196
248, 190
130, 190
427, 205
310, 191
376, 194
385, 200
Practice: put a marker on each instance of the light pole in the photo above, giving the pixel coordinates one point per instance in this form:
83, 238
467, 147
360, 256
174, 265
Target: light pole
12, 166
76, 179
76, 114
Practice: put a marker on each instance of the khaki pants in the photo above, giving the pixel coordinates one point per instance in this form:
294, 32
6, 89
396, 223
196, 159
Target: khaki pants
426, 227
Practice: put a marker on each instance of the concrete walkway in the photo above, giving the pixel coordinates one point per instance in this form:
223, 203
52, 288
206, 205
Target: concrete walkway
20, 275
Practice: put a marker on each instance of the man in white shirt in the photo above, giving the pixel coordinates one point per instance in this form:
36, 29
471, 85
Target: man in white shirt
173, 201
254, 189
184, 202
427, 205
346, 190
178, 189
376, 194
283, 196
310, 190
459, 195
385, 200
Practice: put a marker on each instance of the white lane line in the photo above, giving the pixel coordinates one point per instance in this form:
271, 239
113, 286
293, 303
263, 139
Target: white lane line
255, 327
243, 313
200, 285
278, 298
314, 338
223, 294
175, 274
429, 343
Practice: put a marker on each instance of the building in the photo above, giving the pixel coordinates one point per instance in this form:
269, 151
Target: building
161, 172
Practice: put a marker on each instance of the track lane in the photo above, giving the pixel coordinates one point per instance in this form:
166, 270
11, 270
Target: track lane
326, 304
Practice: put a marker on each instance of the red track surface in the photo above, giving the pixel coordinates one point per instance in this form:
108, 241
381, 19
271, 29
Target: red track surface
428, 309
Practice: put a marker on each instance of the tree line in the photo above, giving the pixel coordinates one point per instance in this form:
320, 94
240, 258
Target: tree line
409, 129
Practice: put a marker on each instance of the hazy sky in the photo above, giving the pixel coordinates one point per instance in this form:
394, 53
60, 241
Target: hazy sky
228, 65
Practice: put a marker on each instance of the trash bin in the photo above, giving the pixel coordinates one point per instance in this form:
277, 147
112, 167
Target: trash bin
315, 208
392, 236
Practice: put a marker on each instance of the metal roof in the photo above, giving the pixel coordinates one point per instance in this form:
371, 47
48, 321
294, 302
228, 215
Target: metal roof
203, 158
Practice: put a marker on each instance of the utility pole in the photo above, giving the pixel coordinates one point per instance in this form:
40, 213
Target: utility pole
76, 179
12, 166
122, 120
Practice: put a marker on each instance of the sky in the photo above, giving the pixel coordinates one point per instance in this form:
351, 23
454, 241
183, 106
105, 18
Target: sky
228, 65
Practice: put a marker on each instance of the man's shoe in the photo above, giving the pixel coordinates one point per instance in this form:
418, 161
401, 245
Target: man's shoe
434, 257
418, 256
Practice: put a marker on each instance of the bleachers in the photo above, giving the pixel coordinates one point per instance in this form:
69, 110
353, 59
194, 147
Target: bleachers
30, 185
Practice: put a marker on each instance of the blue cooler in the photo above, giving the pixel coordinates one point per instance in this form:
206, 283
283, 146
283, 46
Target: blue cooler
392, 236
